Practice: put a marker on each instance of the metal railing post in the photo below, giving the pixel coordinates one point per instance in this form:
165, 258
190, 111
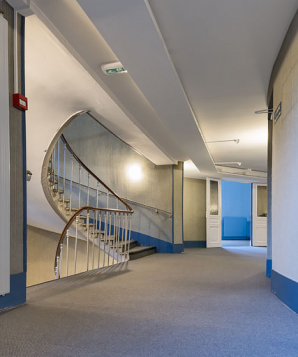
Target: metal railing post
129, 235
93, 239
87, 240
64, 153
99, 240
79, 186
67, 250
58, 163
126, 226
71, 176
88, 188
105, 238
60, 262
109, 237
76, 246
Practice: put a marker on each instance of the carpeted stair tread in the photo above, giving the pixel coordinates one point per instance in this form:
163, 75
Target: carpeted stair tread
131, 242
140, 252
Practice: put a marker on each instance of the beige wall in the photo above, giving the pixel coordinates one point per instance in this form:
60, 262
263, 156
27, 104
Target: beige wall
194, 210
42, 247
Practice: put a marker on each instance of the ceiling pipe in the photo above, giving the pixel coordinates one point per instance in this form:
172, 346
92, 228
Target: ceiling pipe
237, 141
228, 162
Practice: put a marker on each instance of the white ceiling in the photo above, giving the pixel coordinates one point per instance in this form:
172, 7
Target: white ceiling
224, 52
197, 70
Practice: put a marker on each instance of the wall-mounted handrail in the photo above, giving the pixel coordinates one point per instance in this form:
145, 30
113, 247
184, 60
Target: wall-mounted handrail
93, 174
155, 209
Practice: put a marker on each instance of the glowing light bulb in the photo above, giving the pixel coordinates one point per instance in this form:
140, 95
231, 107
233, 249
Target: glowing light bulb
134, 172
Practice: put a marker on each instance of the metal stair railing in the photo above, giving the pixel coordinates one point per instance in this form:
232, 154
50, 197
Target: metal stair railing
108, 233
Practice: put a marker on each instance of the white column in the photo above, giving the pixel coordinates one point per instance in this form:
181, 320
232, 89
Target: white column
4, 162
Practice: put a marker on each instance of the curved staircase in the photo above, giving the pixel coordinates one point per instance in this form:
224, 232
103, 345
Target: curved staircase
94, 214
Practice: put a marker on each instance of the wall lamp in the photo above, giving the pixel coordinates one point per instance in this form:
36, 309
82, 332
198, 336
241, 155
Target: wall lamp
134, 172
237, 141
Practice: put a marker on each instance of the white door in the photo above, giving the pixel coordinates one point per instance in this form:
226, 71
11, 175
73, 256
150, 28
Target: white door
259, 216
213, 213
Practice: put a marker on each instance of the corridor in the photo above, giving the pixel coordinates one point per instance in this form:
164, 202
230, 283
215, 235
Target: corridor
205, 302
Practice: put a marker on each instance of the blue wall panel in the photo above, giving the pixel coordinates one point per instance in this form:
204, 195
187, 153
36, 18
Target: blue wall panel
17, 295
236, 210
161, 246
285, 289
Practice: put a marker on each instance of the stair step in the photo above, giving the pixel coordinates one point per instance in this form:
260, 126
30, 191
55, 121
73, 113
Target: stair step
56, 191
132, 244
90, 224
71, 209
110, 238
66, 200
97, 231
140, 252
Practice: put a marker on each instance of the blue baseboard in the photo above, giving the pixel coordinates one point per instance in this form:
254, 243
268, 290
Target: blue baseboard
177, 248
195, 244
268, 267
285, 289
17, 295
161, 246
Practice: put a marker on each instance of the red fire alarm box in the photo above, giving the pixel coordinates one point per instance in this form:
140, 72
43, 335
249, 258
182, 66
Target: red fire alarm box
20, 101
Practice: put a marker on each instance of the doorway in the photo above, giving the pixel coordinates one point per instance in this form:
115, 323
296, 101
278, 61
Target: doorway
236, 214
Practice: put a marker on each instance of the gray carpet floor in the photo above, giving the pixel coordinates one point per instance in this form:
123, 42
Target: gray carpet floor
235, 243
205, 302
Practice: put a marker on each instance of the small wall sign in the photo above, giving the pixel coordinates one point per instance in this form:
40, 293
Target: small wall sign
113, 68
277, 113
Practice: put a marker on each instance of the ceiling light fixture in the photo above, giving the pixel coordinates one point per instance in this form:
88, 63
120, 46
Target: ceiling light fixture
237, 141
113, 68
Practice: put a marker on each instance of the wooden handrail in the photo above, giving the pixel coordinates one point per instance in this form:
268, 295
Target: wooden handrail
69, 223
93, 174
